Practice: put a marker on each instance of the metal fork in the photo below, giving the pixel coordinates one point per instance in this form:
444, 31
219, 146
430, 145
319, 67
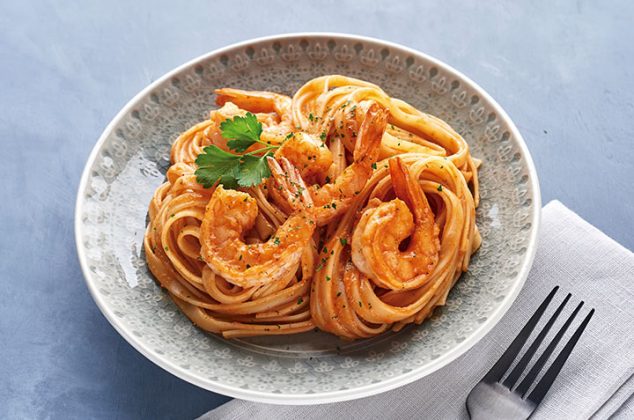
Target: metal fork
496, 397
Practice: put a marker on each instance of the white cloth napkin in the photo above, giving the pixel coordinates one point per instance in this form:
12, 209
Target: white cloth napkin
596, 382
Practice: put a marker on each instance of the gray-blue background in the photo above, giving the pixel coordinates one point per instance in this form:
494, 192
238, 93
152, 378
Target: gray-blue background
562, 70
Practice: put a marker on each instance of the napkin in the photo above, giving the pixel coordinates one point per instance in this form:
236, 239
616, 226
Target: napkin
596, 382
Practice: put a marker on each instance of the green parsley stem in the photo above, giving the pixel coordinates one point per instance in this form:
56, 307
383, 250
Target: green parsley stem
264, 149
264, 143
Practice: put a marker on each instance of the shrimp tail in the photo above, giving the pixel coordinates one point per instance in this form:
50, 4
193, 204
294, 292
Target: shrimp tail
406, 188
290, 184
370, 134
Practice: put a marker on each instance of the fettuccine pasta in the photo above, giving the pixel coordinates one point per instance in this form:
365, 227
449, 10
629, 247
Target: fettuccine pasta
340, 208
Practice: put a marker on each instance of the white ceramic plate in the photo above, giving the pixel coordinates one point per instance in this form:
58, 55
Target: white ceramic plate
129, 162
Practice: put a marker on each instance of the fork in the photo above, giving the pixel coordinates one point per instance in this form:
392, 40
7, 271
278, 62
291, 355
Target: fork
497, 397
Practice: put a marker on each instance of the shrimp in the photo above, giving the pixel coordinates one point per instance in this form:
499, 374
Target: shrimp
308, 154
383, 226
332, 199
231, 214
256, 101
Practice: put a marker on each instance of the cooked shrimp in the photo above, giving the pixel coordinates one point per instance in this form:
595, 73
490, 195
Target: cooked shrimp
308, 154
384, 226
231, 214
217, 117
256, 101
332, 199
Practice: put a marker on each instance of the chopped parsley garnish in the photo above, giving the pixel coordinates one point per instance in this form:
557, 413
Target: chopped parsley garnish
343, 241
439, 187
300, 300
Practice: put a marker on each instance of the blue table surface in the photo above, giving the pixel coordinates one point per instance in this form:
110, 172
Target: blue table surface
564, 71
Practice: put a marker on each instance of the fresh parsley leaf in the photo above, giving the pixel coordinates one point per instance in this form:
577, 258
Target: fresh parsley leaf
242, 132
239, 145
216, 164
230, 179
252, 170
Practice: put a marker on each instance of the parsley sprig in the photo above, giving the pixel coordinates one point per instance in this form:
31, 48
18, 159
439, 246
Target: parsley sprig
242, 132
235, 170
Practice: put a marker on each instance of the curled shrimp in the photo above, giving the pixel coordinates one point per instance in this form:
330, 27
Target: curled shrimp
334, 198
231, 214
384, 226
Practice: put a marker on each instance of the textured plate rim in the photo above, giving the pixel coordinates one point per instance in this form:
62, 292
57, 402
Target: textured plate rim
331, 396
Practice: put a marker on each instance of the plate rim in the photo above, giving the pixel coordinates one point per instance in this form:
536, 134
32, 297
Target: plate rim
329, 396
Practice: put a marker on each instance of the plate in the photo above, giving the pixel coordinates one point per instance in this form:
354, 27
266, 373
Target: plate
130, 159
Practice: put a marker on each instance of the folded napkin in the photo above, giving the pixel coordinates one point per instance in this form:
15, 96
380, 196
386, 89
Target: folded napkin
596, 382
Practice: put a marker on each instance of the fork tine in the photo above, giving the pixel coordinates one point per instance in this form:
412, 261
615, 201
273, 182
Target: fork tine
532, 374
526, 358
549, 377
502, 365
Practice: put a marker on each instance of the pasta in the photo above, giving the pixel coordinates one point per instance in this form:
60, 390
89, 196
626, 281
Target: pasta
365, 223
